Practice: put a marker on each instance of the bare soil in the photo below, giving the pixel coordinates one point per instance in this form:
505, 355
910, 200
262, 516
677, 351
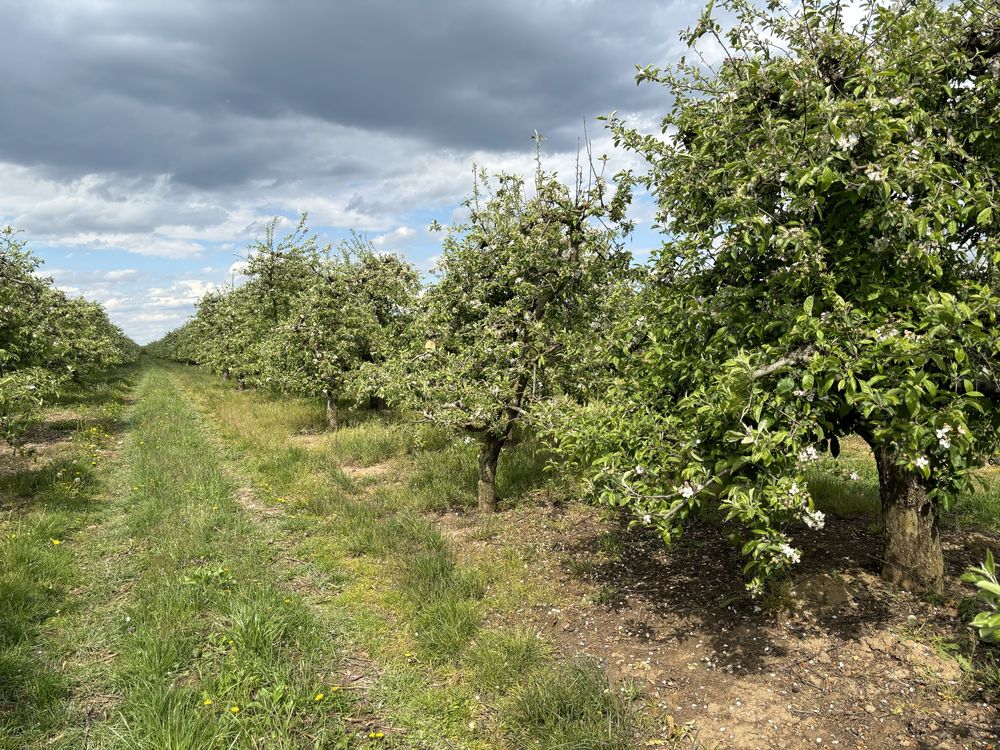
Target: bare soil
835, 659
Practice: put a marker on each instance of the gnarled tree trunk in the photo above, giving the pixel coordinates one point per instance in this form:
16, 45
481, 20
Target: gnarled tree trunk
913, 558
226, 374
240, 383
489, 455
332, 412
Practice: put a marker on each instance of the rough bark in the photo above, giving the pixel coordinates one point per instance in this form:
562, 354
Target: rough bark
912, 558
226, 374
332, 412
240, 383
489, 455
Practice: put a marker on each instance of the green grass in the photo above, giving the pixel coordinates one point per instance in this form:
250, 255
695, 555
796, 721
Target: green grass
45, 507
848, 487
211, 652
570, 706
411, 605
370, 443
501, 658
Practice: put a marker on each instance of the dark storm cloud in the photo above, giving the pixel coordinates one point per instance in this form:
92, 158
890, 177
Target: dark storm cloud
221, 93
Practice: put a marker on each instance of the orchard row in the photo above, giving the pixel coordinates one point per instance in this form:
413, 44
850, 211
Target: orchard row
46, 339
828, 195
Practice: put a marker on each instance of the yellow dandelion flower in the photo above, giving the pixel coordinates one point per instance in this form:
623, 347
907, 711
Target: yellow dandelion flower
376, 735
57, 541
234, 709
335, 688
319, 697
207, 702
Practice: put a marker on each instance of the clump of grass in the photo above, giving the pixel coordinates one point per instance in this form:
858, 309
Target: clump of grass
570, 706
986, 673
522, 469
432, 575
501, 658
444, 627
444, 599
370, 443
844, 497
981, 508
445, 479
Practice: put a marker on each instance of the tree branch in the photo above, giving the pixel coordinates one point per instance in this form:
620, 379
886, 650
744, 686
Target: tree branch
795, 358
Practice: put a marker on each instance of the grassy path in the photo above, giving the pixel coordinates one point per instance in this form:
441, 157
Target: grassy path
349, 507
210, 651
184, 574
179, 636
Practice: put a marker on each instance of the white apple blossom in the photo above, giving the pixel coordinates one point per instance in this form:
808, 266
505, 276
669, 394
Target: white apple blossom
815, 519
790, 552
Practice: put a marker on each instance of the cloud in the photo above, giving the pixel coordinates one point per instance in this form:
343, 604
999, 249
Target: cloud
171, 130
395, 237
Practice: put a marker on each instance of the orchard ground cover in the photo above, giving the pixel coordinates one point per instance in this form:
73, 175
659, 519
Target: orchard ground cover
835, 654
225, 550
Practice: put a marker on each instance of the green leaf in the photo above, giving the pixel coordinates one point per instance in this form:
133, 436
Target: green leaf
989, 586
985, 216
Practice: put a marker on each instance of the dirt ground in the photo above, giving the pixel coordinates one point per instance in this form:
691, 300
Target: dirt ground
837, 659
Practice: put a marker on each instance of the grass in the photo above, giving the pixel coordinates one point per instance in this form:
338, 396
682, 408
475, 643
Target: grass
46, 505
848, 487
212, 653
412, 606
570, 707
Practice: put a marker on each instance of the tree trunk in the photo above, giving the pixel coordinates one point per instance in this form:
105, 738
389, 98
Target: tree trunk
376, 403
332, 412
912, 559
226, 375
489, 455
240, 383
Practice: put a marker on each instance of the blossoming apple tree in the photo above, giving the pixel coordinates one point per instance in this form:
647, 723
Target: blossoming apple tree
829, 196
518, 285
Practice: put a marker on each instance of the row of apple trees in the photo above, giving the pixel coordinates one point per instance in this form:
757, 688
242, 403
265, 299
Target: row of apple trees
46, 339
828, 194
524, 291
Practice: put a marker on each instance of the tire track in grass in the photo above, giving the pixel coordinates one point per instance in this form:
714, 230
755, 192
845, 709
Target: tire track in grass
210, 652
443, 679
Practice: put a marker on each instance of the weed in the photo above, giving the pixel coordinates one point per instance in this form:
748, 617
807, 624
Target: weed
570, 705
500, 659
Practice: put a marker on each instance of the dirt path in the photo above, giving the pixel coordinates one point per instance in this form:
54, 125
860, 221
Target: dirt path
840, 661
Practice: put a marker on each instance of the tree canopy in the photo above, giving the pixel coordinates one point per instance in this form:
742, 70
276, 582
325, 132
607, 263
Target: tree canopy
46, 339
829, 200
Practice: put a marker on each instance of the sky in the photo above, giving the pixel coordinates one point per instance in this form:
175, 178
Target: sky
144, 145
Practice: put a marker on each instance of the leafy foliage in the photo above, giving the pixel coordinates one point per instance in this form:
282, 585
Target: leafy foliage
45, 339
307, 320
984, 578
828, 195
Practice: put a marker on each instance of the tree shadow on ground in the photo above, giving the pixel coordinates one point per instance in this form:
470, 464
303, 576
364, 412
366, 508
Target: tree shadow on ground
695, 586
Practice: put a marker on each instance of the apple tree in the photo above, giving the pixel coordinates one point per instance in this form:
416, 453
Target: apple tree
517, 285
828, 195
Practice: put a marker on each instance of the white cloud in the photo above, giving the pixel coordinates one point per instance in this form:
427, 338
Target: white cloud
395, 237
